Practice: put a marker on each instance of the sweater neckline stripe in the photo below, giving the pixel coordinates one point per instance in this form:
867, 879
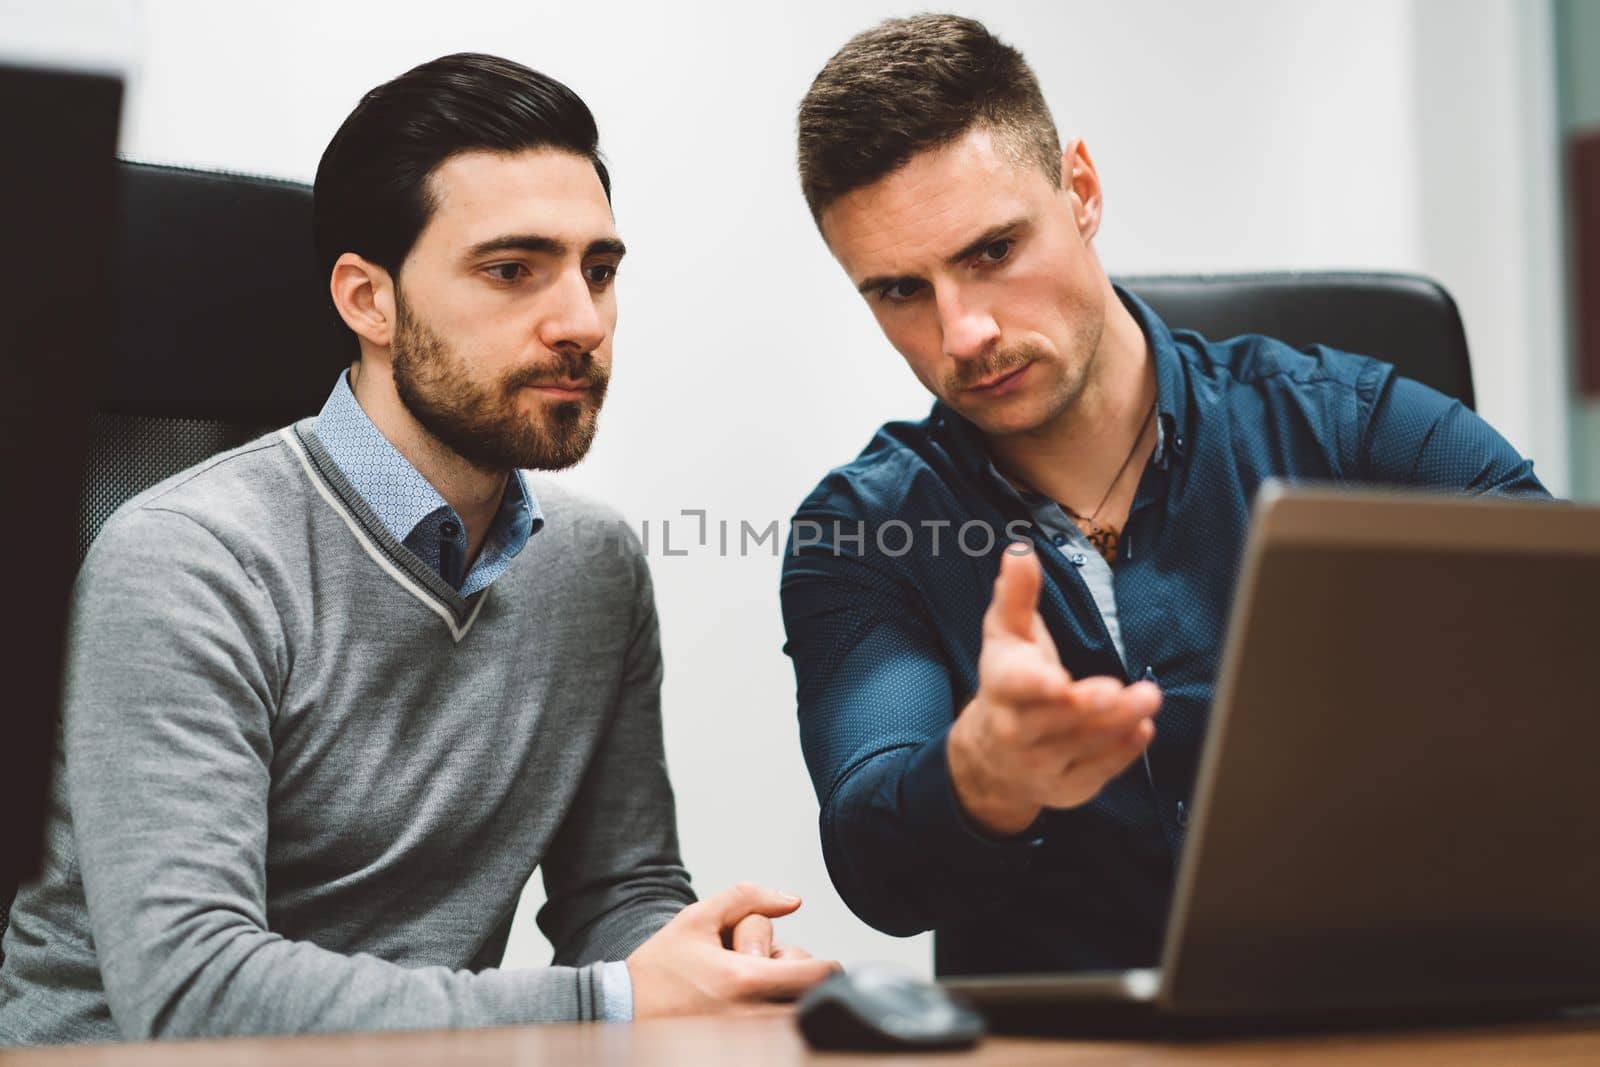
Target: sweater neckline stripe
457, 630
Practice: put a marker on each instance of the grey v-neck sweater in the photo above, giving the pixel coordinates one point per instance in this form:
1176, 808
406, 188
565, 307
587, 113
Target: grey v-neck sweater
302, 782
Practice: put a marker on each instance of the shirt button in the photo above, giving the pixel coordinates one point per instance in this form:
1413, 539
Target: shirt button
1077, 559
1183, 815
1059, 539
448, 530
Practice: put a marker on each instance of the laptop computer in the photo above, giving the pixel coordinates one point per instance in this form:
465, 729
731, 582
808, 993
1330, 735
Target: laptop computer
1397, 810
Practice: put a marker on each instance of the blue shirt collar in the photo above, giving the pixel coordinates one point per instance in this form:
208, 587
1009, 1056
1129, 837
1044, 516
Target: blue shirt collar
1172, 381
400, 496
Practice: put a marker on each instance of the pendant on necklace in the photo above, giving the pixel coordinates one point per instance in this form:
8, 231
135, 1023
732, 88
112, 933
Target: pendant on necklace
1104, 539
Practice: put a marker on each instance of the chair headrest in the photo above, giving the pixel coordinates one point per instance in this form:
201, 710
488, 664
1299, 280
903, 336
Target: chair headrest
221, 311
1403, 319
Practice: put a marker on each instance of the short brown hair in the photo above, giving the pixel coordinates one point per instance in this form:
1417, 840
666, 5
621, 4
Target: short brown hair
911, 84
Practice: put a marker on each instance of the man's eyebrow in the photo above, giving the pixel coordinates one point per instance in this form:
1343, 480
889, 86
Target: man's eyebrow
970, 249
985, 239
518, 242
883, 281
539, 244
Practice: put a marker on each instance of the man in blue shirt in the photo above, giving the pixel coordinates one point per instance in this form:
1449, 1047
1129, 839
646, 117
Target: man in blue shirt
987, 608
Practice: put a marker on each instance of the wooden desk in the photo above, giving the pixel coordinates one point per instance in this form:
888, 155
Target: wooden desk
771, 1039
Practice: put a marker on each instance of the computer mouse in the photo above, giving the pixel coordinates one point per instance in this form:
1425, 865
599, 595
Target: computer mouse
880, 1007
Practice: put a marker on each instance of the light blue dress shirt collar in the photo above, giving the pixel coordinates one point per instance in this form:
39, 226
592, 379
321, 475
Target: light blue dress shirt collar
411, 509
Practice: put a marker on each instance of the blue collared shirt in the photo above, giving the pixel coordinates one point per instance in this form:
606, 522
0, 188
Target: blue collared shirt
891, 563
412, 510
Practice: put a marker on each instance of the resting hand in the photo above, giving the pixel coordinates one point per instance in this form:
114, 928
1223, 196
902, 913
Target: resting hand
719, 955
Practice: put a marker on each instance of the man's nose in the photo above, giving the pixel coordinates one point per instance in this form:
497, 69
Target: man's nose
573, 320
969, 330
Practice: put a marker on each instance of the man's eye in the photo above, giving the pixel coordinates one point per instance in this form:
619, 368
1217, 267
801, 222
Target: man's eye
600, 273
901, 291
996, 251
506, 272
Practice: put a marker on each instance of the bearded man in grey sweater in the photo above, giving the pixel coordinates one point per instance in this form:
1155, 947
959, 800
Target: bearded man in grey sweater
334, 695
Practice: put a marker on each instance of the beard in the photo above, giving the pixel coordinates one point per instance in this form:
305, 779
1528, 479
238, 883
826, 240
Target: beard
482, 423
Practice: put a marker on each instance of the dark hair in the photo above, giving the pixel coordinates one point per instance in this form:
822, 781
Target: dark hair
908, 85
372, 195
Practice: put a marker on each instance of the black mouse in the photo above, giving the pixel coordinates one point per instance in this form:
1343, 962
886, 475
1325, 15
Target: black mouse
878, 1007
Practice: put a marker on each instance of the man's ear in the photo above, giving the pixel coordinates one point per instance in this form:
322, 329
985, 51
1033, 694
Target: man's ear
363, 293
1081, 183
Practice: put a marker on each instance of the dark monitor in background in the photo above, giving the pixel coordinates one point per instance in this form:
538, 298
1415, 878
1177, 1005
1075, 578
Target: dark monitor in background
58, 136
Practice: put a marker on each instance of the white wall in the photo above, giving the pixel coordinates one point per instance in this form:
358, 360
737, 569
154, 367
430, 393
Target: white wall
1230, 135
1489, 201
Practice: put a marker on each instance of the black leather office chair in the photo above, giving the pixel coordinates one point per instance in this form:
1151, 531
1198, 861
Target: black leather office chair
1405, 319
224, 327
59, 127
222, 330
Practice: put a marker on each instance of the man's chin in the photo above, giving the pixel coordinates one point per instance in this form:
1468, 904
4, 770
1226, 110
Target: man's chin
1017, 416
560, 448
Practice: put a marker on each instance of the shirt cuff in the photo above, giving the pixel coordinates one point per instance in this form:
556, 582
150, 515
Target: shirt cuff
616, 993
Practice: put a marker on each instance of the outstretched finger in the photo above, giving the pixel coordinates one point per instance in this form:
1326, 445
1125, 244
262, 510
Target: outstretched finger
1100, 704
1095, 771
1016, 596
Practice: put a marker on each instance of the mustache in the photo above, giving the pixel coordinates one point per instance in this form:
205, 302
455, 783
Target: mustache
1001, 361
564, 367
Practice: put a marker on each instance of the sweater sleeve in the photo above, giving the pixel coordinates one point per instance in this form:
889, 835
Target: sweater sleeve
176, 663
613, 874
